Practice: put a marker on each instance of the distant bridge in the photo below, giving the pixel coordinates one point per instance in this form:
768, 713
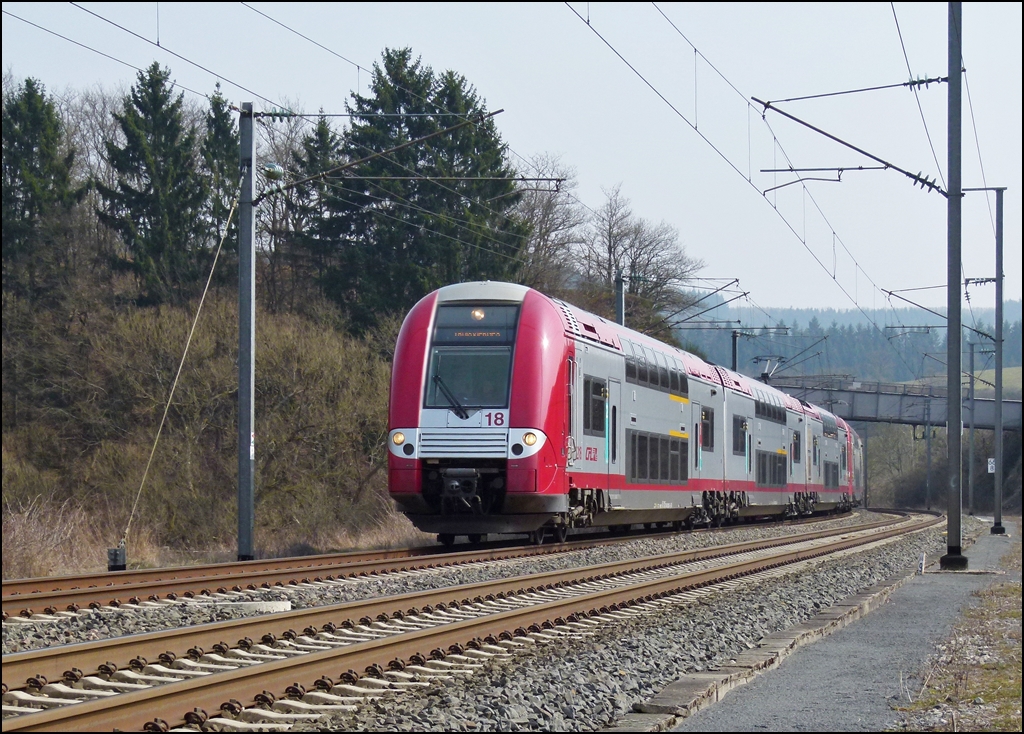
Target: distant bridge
889, 402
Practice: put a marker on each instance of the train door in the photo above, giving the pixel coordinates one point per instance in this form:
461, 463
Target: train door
594, 444
614, 443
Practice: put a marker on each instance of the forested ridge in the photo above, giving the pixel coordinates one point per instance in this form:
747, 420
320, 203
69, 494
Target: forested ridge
115, 209
859, 350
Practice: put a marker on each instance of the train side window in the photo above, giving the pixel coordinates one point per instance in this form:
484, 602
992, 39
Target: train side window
631, 439
570, 383
831, 474
771, 469
663, 372
779, 470
627, 349
707, 429
641, 366
615, 433
739, 435
674, 464
842, 458
641, 456
795, 451
653, 380
674, 377
594, 397
587, 405
684, 460
664, 473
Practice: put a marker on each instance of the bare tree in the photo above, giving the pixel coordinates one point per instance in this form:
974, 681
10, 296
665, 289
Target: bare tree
277, 220
650, 258
555, 218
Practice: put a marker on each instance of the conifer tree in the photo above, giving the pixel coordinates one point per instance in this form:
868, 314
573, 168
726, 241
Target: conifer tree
220, 159
405, 235
37, 190
316, 203
158, 203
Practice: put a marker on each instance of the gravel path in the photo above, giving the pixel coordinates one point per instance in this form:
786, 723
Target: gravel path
861, 671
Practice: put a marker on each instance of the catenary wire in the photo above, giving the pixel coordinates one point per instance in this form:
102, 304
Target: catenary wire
733, 166
101, 53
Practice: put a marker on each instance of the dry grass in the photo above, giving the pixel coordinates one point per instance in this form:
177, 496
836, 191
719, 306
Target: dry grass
975, 682
44, 538
75, 448
48, 539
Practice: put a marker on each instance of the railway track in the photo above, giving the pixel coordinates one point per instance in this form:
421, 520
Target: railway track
386, 638
54, 595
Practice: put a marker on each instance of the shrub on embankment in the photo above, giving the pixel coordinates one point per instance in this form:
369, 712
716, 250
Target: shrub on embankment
82, 401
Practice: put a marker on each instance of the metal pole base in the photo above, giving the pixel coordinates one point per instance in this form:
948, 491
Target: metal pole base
954, 560
242, 557
998, 529
117, 558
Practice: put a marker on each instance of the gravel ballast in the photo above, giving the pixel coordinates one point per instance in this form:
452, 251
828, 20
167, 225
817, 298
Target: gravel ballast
89, 625
583, 683
588, 684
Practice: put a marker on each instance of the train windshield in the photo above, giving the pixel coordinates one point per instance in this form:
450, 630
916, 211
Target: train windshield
471, 357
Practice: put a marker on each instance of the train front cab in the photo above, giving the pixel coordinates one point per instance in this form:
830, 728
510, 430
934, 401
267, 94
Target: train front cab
477, 411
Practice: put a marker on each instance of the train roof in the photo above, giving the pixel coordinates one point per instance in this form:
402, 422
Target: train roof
585, 325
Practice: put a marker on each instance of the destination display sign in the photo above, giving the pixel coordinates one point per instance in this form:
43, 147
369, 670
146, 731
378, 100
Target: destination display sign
476, 324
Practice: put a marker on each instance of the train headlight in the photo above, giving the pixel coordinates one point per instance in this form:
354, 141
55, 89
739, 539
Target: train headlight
529, 438
398, 438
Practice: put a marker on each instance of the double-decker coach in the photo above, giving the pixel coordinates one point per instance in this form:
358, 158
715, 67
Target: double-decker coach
513, 412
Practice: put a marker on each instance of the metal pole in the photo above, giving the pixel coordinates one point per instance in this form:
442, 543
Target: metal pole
864, 458
735, 351
928, 457
954, 558
970, 451
620, 300
246, 337
997, 526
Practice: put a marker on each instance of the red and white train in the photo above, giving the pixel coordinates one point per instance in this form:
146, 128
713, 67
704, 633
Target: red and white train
513, 412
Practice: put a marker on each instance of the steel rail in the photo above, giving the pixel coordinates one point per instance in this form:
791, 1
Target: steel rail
185, 578
27, 596
52, 662
171, 701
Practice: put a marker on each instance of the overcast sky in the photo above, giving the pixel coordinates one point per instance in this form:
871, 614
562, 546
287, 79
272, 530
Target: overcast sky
565, 92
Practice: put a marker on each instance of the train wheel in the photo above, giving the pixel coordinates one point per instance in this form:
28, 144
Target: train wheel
446, 539
537, 536
561, 533
476, 537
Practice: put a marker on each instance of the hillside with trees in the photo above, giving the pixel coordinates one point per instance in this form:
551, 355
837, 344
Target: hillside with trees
115, 216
